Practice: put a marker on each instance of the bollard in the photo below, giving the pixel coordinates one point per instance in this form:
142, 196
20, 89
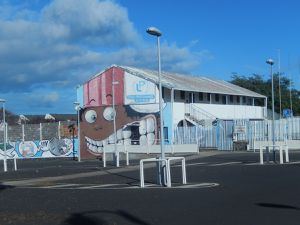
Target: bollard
287, 159
261, 155
104, 157
280, 155
142, 174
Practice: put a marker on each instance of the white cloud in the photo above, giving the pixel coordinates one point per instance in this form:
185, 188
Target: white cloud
52, 97
101, 23
67, 41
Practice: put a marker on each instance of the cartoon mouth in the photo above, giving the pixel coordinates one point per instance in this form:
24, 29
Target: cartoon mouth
94, 146
138, 132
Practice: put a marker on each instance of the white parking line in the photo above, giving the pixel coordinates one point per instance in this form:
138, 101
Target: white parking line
119, 186
100, 186
225, 164
60, 186
192, 164
201, 185
295, 162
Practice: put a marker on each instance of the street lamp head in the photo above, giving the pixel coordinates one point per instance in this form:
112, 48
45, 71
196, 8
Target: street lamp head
270, 61
154, 31
2, 100
77, 106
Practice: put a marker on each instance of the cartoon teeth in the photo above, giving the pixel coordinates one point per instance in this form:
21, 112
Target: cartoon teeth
96, 147
146, 130
143, 127
126, 133
142, 131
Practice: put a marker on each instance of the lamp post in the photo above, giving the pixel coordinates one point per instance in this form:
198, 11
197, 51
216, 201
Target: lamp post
113, 83
271, 63
4, 135
78, 108
162, 175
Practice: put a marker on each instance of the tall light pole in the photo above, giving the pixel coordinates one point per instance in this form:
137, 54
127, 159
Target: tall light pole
156, 32
77, 108
4, 135
271, 63
113, 83
279, 83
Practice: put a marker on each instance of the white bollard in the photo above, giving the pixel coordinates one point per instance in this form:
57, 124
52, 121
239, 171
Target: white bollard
169, 183
15, 164
287, 159
104, 157
118, 158
183, 171
127, 158
280, 155
261, 155
142, 174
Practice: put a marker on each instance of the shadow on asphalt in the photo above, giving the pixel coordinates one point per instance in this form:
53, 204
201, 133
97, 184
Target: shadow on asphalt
134, 180
92, 218
278, 206
4, 187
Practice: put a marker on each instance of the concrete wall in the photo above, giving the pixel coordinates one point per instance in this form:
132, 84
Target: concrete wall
32, 131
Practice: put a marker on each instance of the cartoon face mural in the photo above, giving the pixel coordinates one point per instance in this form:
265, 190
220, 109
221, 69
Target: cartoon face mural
132, 128
136, 110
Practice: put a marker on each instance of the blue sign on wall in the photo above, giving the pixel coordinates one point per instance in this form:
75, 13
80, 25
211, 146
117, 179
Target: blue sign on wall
287, 113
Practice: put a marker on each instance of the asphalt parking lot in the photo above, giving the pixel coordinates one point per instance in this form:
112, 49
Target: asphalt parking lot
223, 188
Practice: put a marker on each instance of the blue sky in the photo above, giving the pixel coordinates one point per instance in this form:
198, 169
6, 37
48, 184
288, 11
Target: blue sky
49, 47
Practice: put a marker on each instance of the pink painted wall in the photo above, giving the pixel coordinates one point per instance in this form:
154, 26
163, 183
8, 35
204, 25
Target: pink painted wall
98, 91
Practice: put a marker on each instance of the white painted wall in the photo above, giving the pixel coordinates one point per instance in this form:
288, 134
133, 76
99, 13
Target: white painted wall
221, 111
178, 112
233, 111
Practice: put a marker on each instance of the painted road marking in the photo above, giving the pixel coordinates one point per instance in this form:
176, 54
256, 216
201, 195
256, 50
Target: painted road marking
60, 186
225, 164
120, 186
201, 185
296, 162
191, 164
100, 186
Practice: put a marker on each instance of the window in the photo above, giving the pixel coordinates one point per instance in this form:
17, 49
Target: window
217, 97
250, 101
244, 99
163, 92
231, 98
200, 96
182, 94
208, 97
166, 136
224, 99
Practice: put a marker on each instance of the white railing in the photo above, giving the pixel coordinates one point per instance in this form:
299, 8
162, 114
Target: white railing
167, 162
198, 113
279, 147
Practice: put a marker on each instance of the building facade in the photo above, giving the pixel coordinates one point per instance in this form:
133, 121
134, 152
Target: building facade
121, 105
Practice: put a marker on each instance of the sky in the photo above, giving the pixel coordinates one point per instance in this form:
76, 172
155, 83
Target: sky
47, 48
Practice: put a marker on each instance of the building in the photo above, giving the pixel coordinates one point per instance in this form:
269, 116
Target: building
133, 94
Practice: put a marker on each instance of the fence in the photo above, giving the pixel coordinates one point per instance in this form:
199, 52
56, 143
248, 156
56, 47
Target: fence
225, 133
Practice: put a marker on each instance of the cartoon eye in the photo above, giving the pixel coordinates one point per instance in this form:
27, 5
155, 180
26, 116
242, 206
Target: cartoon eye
90, 116
109, 113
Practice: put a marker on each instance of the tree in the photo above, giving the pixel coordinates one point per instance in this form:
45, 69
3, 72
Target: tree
257, 84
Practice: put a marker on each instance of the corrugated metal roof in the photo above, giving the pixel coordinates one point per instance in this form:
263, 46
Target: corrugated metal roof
191, 83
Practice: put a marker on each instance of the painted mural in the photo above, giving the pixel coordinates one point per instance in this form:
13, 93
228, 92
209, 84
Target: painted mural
136, 111
132, 128
40, 149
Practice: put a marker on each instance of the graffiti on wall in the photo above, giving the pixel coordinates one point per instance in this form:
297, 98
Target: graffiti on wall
39, 149
136, 112
132, 128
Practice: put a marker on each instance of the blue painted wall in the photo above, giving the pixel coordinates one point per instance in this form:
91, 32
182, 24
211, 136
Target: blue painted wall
79, 93
167, 115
